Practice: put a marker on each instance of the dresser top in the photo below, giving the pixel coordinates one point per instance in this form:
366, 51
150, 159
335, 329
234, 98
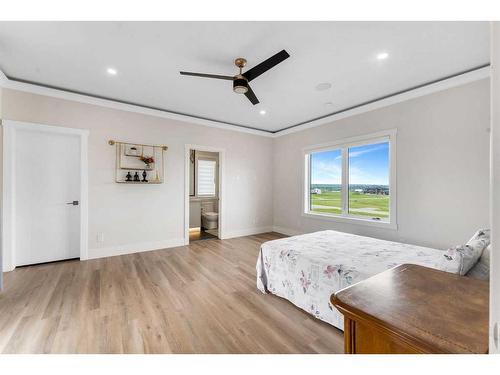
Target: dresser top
440, 311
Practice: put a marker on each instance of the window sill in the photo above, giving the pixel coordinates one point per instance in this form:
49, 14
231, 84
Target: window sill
200, 198
351, 220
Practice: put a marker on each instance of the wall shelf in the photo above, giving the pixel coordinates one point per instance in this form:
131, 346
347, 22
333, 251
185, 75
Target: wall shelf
136, 169
128, 160
140, 182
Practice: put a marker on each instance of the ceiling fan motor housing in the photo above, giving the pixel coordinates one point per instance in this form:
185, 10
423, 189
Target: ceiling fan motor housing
240, 84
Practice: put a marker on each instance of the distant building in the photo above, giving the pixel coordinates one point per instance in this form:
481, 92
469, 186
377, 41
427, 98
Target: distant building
358, 190
376, 190
316, 191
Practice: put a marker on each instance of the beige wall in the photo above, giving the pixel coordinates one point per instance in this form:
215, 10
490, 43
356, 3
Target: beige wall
442, 167
137, 217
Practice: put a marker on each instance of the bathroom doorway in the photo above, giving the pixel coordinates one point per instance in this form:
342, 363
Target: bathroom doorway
203, 203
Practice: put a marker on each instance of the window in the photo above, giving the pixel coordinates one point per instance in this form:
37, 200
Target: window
326, 182
369, 181
207, 172
352, 180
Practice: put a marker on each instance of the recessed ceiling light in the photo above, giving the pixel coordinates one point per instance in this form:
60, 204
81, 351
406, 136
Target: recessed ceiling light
328, 103
112, 71
262, 112
382, 56
323, 86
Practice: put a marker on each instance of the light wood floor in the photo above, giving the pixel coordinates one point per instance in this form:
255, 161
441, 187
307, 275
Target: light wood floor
200, 298
197, 235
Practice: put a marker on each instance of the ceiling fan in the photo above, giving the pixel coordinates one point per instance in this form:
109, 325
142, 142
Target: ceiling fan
240, 81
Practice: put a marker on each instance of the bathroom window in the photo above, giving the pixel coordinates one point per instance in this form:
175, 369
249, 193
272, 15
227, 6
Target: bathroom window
207, 173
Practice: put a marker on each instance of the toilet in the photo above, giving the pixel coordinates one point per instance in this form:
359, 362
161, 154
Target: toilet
209, 218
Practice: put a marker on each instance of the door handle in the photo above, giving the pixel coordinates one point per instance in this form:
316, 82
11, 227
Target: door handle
74, 203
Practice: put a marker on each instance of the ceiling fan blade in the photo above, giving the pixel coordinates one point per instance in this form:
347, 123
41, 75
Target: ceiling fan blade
251, 96
266, 65
229, 78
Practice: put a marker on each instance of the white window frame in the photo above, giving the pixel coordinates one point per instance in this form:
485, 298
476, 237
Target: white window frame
344, 144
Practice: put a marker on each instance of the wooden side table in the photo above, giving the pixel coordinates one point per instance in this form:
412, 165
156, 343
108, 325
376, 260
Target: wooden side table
414, 309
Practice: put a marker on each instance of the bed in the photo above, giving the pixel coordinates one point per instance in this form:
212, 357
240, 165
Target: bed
307, 269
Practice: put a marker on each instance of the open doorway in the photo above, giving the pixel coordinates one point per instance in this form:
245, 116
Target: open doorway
203, 214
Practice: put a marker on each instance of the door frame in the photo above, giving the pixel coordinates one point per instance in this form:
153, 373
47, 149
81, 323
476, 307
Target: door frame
221, 188
10, 129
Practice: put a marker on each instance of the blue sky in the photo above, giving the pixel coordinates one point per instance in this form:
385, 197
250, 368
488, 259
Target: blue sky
368, 164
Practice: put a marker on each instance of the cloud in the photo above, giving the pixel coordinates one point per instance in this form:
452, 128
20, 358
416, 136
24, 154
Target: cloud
327, 169
331, 173
326, 173
359, 176
354, 154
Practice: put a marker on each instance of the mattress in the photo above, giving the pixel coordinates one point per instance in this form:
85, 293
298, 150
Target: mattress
308, 269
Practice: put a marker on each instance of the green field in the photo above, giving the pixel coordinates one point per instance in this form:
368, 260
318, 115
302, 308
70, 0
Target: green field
360, 204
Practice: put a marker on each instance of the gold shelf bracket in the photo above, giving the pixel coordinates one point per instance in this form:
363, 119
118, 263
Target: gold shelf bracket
112, 142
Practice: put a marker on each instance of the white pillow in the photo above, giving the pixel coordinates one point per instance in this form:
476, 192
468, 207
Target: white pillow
482, 268
466, 256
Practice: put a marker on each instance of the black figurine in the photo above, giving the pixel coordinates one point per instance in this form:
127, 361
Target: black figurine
144, 174
128, 176
136, 177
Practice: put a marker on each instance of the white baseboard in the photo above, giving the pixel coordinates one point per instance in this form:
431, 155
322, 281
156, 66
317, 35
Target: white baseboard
287, 231
8, 267
111, 251
246, 232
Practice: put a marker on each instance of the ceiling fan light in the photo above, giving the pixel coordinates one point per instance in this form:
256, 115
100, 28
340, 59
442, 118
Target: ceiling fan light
240, 85
240, 89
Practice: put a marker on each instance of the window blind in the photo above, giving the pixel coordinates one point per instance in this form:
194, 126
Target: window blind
206, 177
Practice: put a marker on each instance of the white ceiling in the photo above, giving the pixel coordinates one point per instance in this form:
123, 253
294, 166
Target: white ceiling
149, 55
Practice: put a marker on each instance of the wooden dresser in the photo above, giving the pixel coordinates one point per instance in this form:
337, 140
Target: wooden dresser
415, 309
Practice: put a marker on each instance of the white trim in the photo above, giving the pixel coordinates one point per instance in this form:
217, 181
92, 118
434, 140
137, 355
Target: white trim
458, 80
344, 180
287, 231
247, 232
3, 79
84, 195
44, 128
108, 103
352, 141
445, 84
8, 212
9, 186
112, 251
351, 220
305, 181
344, 144
220, 189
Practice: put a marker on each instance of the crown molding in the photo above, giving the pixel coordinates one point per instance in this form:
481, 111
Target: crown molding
3, 79
412, 93
423, 90
33, 88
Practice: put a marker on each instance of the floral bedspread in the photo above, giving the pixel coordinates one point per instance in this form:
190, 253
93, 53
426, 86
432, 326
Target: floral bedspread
307, 269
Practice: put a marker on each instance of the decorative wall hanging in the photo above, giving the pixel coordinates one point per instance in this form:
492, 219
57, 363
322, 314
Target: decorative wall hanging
139, 159
133, 150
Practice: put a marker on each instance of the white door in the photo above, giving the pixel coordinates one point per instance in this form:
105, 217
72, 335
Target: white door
47, 197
